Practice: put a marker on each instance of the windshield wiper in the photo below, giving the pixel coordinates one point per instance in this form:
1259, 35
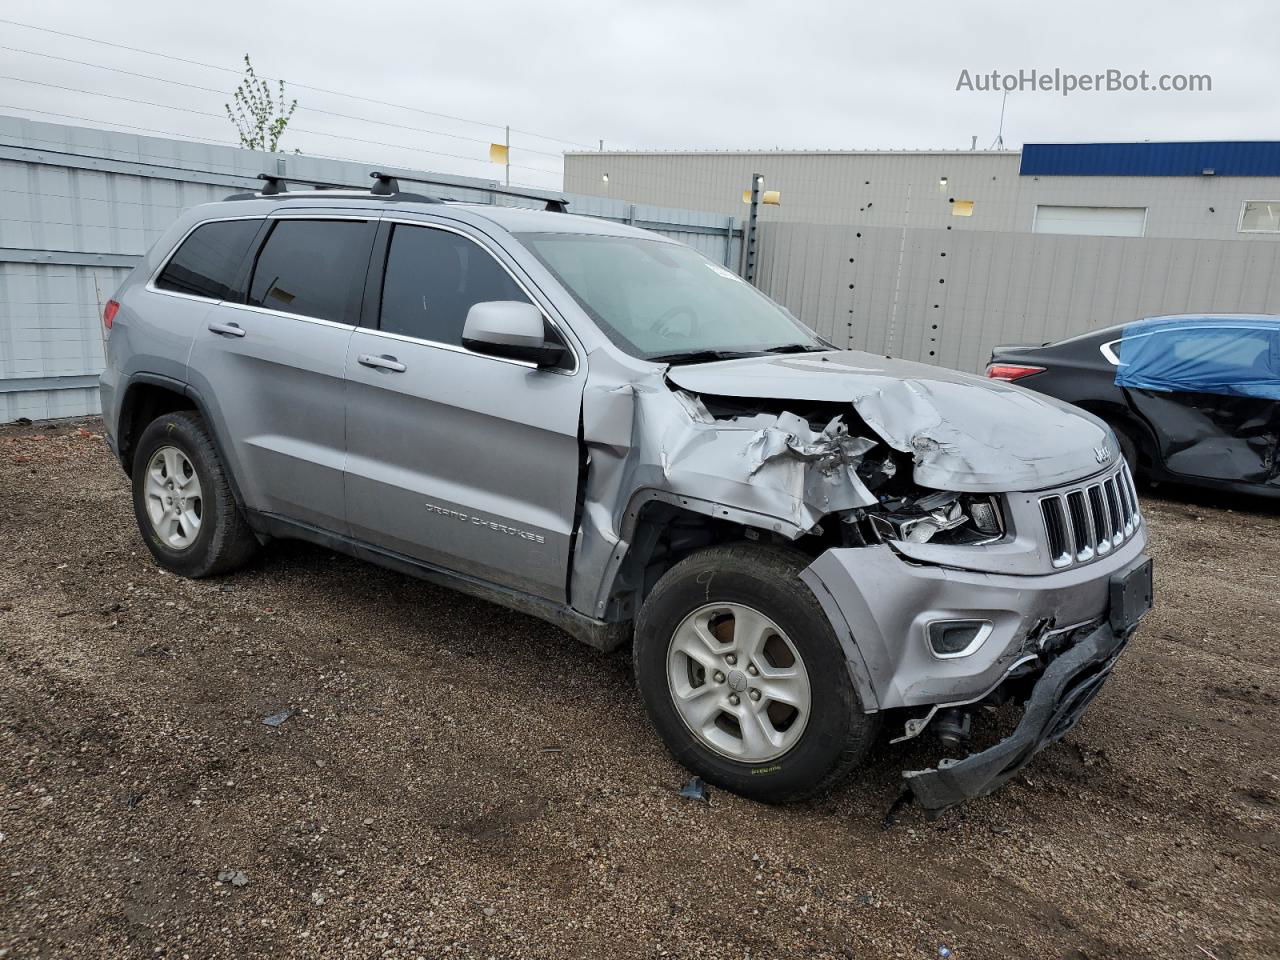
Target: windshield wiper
798, 348
702, 356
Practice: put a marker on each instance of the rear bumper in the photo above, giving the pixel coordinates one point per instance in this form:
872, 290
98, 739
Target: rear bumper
1057, 701
109, 393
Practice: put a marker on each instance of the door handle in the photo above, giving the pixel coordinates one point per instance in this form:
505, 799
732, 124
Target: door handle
227, 329
389, 364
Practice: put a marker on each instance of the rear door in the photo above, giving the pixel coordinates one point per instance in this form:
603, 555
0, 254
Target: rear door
1212, 433
269, 364
464, 461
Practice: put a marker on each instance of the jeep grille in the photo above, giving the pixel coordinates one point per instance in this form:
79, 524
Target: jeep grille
1091, 520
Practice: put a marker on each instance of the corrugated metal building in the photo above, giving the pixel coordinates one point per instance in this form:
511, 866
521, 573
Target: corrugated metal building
940, 255
80, 206
1192, 191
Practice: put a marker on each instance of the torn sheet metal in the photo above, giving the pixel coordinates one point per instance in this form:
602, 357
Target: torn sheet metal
966, 434
1213, 435
645, 439
828, 461
777, 466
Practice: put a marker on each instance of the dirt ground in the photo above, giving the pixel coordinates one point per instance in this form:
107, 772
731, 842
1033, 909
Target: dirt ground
461, 781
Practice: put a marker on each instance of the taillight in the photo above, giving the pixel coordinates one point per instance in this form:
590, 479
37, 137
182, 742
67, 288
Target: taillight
109, 313
1011, 371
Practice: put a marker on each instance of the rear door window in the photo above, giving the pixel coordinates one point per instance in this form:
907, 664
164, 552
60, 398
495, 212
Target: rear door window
1231, 351
206, 263
433, 278
313, 268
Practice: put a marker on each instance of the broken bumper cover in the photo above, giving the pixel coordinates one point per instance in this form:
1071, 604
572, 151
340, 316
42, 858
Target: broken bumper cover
881, 605
1057, 701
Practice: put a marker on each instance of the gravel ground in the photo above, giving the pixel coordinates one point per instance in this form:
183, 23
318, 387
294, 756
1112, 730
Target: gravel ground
459, 781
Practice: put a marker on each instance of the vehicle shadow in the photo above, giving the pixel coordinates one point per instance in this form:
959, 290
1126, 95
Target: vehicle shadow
1186, 494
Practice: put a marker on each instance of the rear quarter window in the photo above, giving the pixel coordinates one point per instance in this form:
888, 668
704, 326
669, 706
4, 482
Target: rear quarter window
206, 263
1229, 349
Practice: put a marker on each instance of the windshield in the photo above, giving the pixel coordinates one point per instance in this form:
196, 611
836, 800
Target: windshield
663, 301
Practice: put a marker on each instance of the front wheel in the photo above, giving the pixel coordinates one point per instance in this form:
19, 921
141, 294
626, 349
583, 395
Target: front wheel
744, 678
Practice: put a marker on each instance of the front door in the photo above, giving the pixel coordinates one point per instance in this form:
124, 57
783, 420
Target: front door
271, 368
464, 461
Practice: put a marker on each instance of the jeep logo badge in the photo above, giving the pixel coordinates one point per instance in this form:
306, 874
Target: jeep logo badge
1101, 454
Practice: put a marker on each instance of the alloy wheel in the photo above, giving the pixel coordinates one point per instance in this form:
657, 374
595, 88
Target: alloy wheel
175, 506
738, 682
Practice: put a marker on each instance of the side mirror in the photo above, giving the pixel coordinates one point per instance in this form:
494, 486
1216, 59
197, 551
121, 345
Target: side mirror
511, 329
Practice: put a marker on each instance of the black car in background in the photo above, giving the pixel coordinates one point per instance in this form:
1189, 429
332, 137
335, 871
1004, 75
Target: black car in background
1193, 399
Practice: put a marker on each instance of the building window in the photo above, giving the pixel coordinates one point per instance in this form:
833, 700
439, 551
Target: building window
1260, 216
1091, 221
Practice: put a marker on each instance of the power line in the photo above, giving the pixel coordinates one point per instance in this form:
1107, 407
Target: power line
223, 93
218, 116
128, 126
301, 86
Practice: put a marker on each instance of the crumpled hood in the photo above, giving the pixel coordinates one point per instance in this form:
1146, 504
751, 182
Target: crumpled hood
966, 433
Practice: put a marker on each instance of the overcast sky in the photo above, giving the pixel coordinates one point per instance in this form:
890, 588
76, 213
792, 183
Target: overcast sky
706, 74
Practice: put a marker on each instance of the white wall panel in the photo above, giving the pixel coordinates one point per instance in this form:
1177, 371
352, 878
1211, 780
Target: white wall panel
79, 206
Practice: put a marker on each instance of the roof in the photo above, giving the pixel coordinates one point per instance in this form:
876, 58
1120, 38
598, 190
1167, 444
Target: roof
524, 220
512, 219
1257, 319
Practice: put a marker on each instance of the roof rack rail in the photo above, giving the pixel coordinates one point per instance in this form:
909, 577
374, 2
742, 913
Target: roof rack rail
385, 188
556, 203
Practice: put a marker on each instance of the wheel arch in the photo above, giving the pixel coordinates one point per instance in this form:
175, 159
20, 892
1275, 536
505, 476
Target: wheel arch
146, 397
663, 528
150, 395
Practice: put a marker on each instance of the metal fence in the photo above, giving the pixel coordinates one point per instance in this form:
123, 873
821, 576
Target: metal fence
79, 207
947, 297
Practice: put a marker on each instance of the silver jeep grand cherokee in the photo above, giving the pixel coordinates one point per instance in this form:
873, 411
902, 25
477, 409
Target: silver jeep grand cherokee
599, 426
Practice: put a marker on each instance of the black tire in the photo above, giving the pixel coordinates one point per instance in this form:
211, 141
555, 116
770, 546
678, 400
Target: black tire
224, 541
1128, 449
837, 734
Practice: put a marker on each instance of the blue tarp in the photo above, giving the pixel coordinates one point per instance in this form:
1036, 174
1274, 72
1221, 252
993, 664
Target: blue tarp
1236, 355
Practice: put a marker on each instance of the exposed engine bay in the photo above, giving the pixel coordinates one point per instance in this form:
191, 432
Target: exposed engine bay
819, 433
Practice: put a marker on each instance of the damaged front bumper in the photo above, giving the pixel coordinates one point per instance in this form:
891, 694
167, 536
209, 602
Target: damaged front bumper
1065, 629
881, 604
1057, 701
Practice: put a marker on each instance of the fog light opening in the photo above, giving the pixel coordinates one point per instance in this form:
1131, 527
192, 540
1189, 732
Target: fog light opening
949, 639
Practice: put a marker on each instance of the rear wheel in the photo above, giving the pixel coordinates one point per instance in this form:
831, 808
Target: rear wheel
1128, 448
744, 678
183, 502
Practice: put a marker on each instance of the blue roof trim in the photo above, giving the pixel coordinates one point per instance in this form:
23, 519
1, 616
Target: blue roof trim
1226, 158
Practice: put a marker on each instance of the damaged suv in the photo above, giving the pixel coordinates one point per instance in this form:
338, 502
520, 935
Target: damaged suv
599, 426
